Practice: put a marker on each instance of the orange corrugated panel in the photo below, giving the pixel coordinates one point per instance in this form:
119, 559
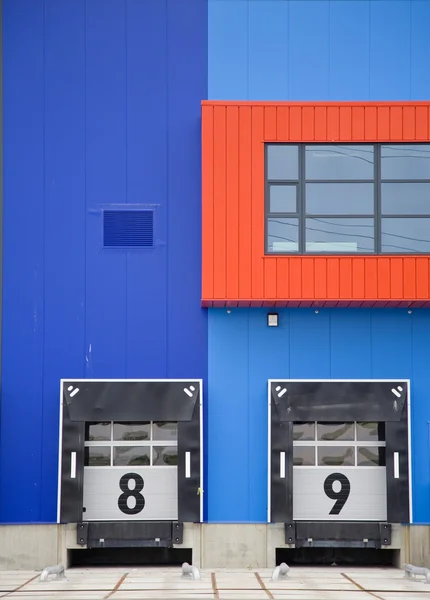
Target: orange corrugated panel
282, 123
396, 114
408, 123
396, 279
321, 278
257, 201
232, 201
345, 123
345, 277
358, 277
296, 277
357, 119
409, 278
320, 123
384, 279
270, 276
422, 273
220, 199
270, 133
370, 123
245, 207
308, 277
333, 287
308, 123
332, 124
421, 123
371, 278
383, 123
282, 277
235, 268
295, 123
207, 202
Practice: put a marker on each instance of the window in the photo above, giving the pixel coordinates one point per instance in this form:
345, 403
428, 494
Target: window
338, 444
146, 444
347, 198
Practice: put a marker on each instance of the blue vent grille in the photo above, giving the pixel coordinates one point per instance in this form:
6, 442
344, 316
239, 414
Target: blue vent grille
128, 228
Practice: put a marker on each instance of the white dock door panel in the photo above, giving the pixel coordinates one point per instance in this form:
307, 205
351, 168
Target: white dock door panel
130, 493
339, 494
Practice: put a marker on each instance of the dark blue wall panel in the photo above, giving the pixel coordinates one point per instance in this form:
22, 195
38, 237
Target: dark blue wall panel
23, 260
331, 344
101, 109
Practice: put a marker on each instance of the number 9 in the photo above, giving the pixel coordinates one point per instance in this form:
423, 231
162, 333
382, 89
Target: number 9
342, 495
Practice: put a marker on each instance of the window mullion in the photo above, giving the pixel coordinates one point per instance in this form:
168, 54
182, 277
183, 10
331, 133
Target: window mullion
377, 187
301, 199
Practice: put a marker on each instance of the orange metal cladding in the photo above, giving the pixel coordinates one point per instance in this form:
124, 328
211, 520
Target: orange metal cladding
235, 271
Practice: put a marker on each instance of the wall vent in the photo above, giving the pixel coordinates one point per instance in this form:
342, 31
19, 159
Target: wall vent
128, 228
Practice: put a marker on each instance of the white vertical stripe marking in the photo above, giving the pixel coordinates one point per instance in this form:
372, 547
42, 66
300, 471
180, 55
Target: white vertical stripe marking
187, 465
73, 465
396, 465
282, 465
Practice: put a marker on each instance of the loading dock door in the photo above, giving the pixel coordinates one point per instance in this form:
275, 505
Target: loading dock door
339, 471
339, 451
130, 450
131, 471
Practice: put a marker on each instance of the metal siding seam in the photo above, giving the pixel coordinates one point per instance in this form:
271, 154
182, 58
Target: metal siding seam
409, 278
207, 202
396, 281
219, 203
396, 118
207, 163
422, 279
245, 206
257, 199
232, 200
345, 277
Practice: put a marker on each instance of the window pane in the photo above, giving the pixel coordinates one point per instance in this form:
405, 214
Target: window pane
339, 235
339, 162
371, 432
304, 432
405, 235
303, 456
336, 456
97, 432
282, 161
340, 198
131, 456
283, 198
282, 235
164, 456
405, 198
335, 431
131, 431
97, 456
164, 430
405, 162
371, 457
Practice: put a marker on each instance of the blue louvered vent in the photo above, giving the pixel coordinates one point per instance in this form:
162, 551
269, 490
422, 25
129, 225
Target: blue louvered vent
128, 228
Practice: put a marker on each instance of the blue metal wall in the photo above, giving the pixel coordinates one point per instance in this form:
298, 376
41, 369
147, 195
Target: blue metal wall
309, 50
101, 106
319, 50
331, 344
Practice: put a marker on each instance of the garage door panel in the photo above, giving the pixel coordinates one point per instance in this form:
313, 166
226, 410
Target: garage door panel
145, 493
358, 494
